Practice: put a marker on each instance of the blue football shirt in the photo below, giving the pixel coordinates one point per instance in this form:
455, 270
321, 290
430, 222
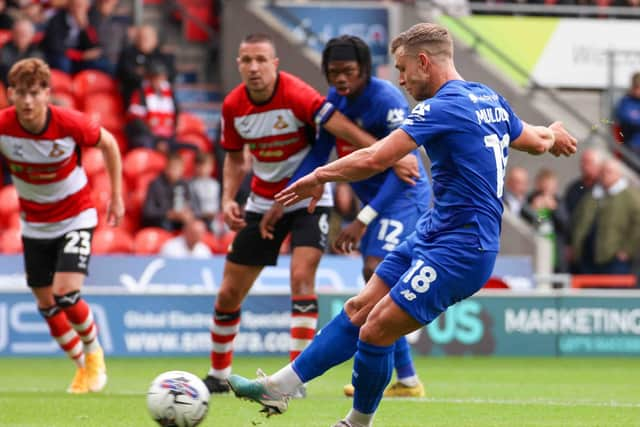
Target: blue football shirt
466, 129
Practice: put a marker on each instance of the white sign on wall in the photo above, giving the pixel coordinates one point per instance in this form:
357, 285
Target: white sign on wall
576, 54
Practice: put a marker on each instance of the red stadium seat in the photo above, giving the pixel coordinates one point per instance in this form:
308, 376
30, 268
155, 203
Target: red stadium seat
496, 283
92, 161
199, 140
11, 241
142, 161
61, 82
4, 101
64, 99
106, 109
603, 281
93, 81
222, 243
189, 160
148, 241
9, 203
5, 37
112, 240
188, 122
13, 221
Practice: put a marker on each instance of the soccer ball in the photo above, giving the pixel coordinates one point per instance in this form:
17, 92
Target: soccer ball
178, 399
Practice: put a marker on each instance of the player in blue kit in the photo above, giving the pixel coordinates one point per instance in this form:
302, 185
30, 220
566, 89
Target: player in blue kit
467, 130
391, 206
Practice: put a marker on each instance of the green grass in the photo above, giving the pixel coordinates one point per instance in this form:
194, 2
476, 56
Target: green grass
461, 392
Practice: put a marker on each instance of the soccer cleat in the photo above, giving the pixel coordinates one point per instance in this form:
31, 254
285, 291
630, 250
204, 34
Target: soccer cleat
273, 403
216, 385
300, 393
96, 370
79, 383
397, 389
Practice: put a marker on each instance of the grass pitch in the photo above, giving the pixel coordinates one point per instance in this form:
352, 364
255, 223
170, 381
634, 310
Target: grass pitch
461, 392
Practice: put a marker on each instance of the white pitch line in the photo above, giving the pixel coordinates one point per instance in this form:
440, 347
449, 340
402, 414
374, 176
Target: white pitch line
458, 401
521, 402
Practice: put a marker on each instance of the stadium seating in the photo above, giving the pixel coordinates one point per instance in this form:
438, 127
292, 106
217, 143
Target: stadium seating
189, 159
496, 283
4, 102
61, 82
112, 240
142, 161
199, 140
106, 109
11, 241
188, 123
64, 99
220, 244
8, 203
93, 162
5, 37
148, 241
582, 281
89, 82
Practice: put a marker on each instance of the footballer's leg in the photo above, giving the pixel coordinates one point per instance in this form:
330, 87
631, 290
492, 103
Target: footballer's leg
66, 289
236, 283
334, 344
408, 384
40, 262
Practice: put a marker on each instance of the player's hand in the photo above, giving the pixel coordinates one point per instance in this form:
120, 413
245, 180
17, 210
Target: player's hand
565, 144
115, 210
269, 220
233, 216
349, 237
407, 169
307, 186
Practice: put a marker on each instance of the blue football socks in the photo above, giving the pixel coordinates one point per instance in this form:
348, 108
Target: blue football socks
402, 359
332, 345
372, 370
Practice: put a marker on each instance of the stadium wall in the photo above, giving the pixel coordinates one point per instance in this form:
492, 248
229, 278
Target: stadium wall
152, 306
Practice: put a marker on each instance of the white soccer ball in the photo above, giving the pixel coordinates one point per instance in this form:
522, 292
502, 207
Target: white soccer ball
178, 399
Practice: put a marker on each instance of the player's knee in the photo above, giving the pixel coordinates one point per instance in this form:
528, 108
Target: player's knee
302, 283
228, 297
355, 309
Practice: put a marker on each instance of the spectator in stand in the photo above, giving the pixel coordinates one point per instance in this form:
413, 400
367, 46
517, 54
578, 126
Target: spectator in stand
189, 244
627, 115
134, 58
108, 27
71, 43
551, 218
20, 46
514, 198
6, 21
606, 225
205, 190
590, 165
153, 111
168, 201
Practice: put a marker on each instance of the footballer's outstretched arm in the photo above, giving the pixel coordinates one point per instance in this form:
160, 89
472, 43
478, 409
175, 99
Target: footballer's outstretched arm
357, 166
113, 164
537, 140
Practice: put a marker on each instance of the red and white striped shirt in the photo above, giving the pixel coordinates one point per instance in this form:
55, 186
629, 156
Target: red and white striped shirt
156, 108
279, 133
54, 193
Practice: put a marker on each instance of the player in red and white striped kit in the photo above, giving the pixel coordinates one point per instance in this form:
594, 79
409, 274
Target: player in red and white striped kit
274, 115
41, 144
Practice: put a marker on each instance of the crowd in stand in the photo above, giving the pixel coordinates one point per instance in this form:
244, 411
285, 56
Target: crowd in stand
123, 77
594, 226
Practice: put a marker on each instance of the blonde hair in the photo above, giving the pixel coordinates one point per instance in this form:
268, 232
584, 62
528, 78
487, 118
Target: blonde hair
29, 72
433, 39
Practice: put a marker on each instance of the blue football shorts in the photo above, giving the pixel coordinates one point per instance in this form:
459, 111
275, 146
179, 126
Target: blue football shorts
389, 229
425, 279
